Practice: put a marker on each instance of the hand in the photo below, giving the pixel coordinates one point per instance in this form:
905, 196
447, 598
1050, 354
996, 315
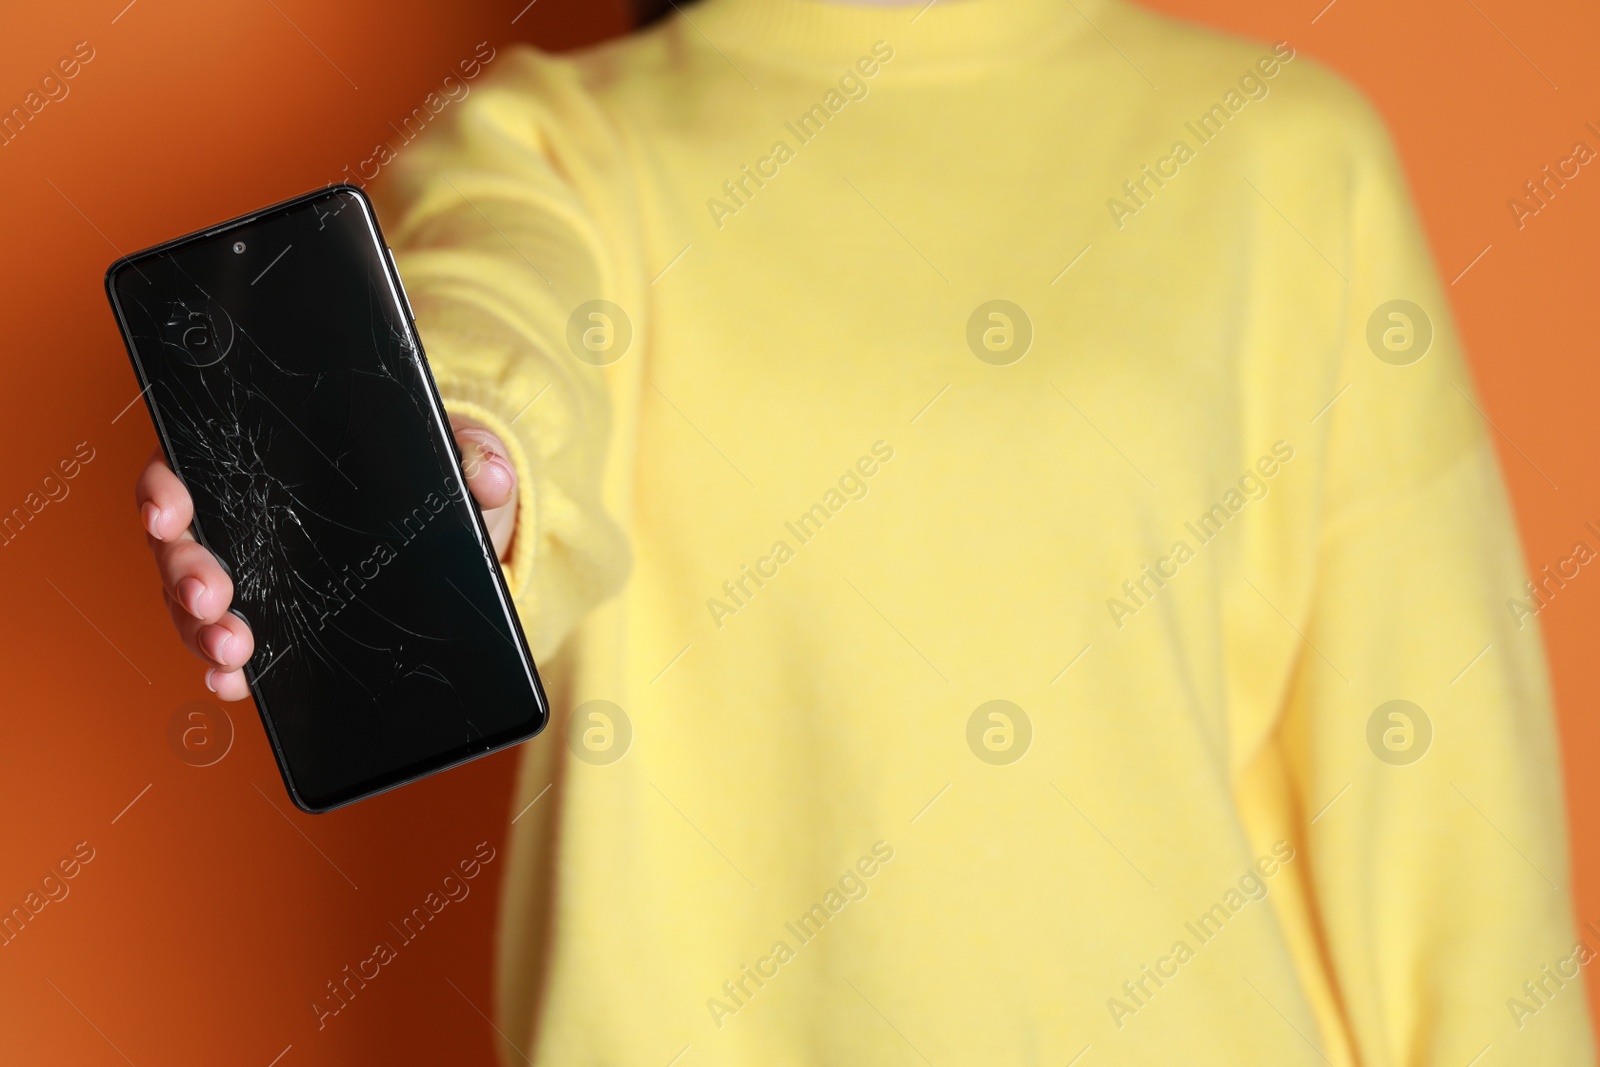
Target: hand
198, 591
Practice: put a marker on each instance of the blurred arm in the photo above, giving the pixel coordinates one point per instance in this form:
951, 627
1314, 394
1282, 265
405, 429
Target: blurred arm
1439, 886
503, 221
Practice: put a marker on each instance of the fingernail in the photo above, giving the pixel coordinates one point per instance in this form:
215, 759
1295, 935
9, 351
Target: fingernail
190, 590
152, 516
209, 686
216, 640
497, 463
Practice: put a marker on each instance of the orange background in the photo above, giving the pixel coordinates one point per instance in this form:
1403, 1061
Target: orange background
212, 912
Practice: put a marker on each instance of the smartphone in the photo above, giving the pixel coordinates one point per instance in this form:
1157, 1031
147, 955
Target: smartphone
280, 363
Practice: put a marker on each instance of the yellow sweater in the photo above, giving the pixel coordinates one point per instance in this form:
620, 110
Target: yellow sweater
999, 501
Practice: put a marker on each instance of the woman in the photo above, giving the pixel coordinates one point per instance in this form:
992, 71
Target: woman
1010, 470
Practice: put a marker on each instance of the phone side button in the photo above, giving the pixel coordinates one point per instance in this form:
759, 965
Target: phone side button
405, 297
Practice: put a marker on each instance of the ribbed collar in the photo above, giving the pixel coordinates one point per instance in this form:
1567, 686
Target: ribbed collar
945, 33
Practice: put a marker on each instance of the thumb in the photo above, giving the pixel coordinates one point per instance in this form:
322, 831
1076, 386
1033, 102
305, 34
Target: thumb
492, 480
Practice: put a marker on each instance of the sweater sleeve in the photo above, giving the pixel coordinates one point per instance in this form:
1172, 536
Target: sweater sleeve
506, 219
1436, 841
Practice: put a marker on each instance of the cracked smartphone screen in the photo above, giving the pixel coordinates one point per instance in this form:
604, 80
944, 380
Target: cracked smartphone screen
283, 374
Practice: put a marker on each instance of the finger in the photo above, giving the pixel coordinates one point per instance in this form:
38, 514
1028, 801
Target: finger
485, 462
228, 685
502, 526
194, 579
226, 643
165, 509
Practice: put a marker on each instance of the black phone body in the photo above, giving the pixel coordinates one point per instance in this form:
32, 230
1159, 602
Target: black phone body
282, 369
